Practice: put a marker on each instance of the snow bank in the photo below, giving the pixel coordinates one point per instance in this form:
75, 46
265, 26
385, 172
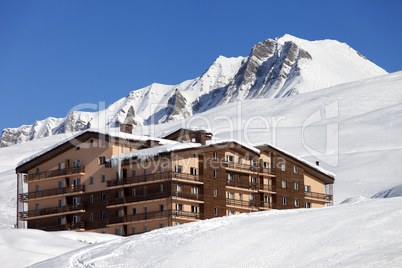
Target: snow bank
365, 234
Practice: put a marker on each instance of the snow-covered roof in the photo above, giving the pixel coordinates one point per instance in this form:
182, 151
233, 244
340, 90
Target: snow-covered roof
115, 134
307, 163
165, 134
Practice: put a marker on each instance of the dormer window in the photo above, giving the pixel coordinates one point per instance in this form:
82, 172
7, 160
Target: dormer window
91, 143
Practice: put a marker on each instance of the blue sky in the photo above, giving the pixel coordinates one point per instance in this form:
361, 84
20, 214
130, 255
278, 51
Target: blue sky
55, 55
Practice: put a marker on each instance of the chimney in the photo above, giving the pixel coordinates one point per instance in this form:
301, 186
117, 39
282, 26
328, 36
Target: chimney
126, 128
201, 137
151, 143
317, 163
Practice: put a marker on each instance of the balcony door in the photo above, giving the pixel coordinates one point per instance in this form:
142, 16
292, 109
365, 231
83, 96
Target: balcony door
77, 182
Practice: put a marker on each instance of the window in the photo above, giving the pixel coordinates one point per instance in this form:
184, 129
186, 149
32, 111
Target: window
145, 228
62, 184
253, 162
133, 230
91, 217
267, 199
91, 198
62, 221
266, 164
76, 219
161, 207
103, 178
296, 186
62, 202
37, 188
160, 169
295, 169
214, 156
91, 180
91, 143
215, 192
178, 169
133, 173
133, 192
194, 190
179, 223
134, 211
307, 205
122, 148
179, 207
103, 197
103, 216
62, 165
229, 158
283, 167
283, 184
253, 180
240, 178
297, 203
230, 195
307, 188
119, 231
37, 206
240, 196
216, 211
231, 212
193, 171
119, 194
77, 148
179, 188
195, 155
76, 201
103, 142
215, 173
37, 224
102, 160
145, 209
77, 182
194, 209
230, 177
239, 160
120, 213
144, 190
37, 170
161, 225
284, 201
161, 188
252, 197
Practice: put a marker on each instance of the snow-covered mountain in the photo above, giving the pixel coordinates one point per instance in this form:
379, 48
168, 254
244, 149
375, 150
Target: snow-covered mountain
274, 68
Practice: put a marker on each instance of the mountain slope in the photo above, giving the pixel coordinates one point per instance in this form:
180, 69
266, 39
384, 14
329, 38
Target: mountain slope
362, 234
274, 68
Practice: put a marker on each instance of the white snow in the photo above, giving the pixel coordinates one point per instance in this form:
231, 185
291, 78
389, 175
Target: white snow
363, 234
366, 160
391, 192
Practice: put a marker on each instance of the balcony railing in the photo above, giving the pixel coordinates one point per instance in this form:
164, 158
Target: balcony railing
155, 215
52, 192
242, 203
265, 187
50, 211
250, 168
152, 196
153, 178
54, 173
248, 185
326, 197
63, 227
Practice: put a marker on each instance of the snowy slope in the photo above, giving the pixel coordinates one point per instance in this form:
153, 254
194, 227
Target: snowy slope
362, 234
276, 68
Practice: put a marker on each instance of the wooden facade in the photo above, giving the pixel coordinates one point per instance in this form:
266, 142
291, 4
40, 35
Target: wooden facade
74, 187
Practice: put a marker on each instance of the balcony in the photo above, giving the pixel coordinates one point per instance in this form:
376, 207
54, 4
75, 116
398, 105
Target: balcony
153, 196
48, 212
267, 188
54, 173
155, 215
63, 227
52, 192
155, 177
320, 196
249, 168
242, 203
247, 185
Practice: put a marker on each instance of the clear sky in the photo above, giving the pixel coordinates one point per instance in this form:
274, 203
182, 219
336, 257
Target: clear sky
55, 55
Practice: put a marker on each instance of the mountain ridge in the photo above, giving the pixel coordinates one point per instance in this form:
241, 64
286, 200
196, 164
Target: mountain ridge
275, 68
